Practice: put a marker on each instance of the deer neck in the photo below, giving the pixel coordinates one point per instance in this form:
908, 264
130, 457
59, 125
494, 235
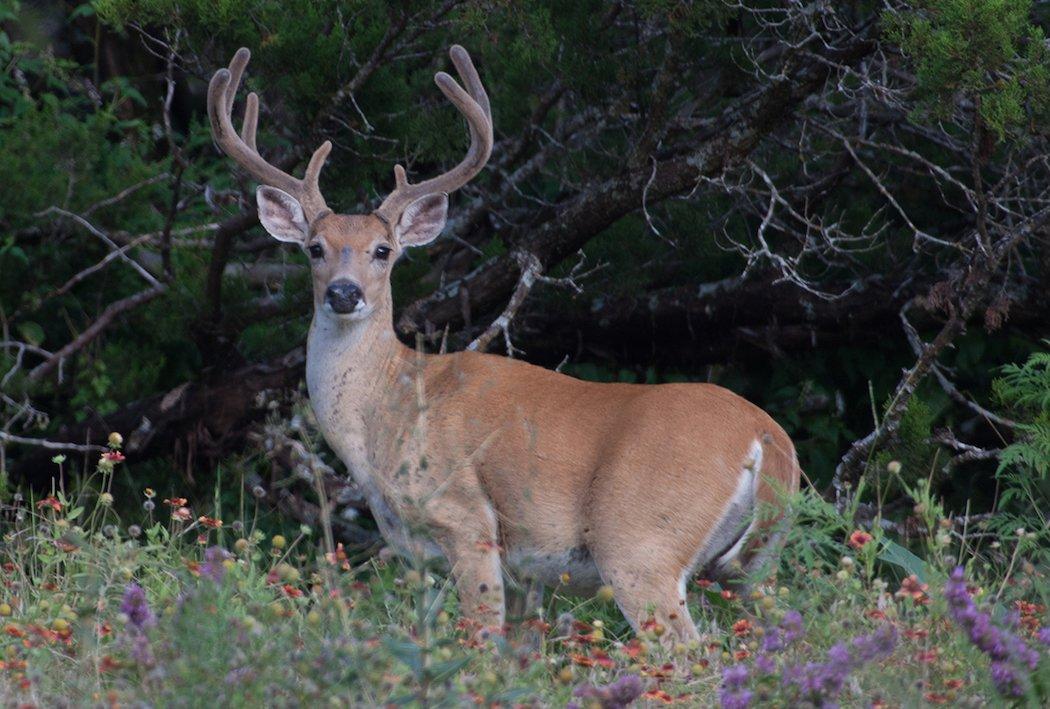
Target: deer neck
360, 379
352, 370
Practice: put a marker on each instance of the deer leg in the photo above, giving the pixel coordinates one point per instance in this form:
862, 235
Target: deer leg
525, 603
468, 540
641, 598
648, 581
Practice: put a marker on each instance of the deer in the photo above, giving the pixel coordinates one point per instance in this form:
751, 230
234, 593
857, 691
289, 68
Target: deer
494, 464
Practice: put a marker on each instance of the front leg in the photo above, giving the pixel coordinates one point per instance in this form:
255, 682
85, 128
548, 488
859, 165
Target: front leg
467, 534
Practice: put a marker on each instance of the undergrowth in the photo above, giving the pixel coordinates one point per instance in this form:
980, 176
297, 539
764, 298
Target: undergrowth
176, 606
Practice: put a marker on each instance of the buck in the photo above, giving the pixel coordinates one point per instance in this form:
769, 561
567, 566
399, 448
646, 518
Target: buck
493, 462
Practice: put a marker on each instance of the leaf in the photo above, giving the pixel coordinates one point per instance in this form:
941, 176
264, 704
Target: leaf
31, 332
74, 513
408, 652
85, 10
441, 671
894, 553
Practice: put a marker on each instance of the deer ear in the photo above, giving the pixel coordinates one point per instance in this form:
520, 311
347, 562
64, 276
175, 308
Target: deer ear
281, 215
422, 220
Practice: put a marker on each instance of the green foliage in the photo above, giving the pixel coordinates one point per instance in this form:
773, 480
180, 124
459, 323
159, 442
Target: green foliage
1024, 464
986, 50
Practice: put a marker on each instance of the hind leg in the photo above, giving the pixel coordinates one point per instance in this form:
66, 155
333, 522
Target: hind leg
646, 588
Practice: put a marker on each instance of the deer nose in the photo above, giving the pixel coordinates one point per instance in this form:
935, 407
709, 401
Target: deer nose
344, 297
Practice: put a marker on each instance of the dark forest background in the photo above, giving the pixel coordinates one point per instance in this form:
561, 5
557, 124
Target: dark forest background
838, 210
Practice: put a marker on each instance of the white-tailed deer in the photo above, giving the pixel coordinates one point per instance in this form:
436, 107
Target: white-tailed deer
567, 482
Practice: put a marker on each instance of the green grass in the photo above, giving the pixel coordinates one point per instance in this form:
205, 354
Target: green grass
270, 620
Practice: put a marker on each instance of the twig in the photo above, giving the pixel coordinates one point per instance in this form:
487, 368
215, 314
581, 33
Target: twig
94, 330
50, 445
530, 270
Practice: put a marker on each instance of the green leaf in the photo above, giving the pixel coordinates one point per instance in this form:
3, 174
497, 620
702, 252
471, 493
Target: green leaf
31, 332
408, 652
441, 671
894, 553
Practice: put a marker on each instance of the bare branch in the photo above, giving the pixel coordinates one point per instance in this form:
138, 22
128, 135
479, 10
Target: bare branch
94, 330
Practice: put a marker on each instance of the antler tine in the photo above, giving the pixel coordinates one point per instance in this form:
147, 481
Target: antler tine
473, 103
466, 70
251, 121
222, 92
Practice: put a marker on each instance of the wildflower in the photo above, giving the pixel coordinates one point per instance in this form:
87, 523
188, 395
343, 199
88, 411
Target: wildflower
859, 538
209, 522
893, 467
734, 693
742, 628
115, 440
822, 682
134, 531
868, 648
278, 541
109, 460
135, 606
1043, 636
181, 514
914, 589
616, 695
658, 694
149, 493
49, 501
765, 664
1007, 651
175, 501
1006, 680
214, 566
106, 499
792, 626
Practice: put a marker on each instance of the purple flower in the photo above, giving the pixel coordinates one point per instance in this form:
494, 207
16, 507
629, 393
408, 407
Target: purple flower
213, 566
821, 682
135, 606
1007, 651
1043, 636
788, 631
791, 624
617, 695
1006, 680
740, 699
140, 650
765, 664
879, 644
734, 693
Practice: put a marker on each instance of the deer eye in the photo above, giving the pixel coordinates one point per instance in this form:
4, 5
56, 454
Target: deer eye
382, 253
316, 251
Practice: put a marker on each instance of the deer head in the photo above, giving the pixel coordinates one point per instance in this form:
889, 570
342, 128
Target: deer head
350, 254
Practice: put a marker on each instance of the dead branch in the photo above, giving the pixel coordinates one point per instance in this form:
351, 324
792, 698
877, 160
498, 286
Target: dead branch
94, 330
6, 438
530, 269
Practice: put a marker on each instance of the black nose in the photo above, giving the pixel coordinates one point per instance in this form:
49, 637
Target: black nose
343, 296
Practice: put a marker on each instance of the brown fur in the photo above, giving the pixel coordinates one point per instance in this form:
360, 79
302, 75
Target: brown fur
488, 456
